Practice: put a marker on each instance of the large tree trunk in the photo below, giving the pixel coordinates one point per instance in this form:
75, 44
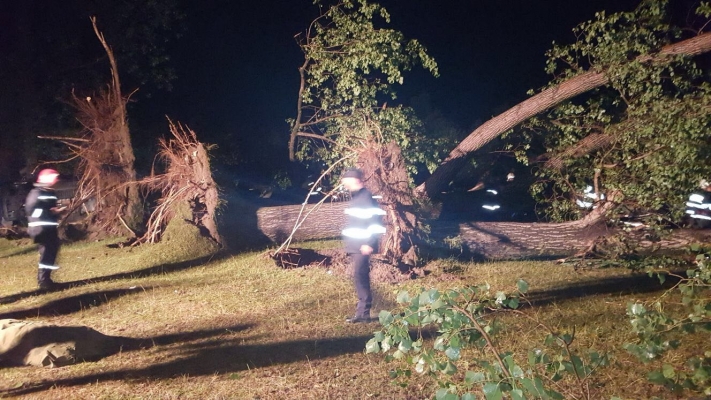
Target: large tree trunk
325, 222
535, 105
482, 240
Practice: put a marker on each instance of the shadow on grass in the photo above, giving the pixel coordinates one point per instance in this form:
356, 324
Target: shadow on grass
31, 249
141, 273
625, 285
101, 345
210, 358
72, 304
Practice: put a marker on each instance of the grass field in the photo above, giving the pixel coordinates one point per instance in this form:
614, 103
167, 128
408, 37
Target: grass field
237, 327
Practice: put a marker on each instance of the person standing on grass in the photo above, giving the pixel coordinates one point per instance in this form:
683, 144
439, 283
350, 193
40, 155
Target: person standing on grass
361, 235
42, 212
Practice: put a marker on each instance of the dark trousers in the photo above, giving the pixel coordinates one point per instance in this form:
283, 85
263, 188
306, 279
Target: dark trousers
361, 278
48, 241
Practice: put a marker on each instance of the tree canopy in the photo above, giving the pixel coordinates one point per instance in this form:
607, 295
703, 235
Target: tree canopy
650, 99
651, 120
350, 68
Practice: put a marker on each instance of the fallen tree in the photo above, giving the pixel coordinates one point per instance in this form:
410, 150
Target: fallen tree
537, 104
186, 184
106, 158
479, 240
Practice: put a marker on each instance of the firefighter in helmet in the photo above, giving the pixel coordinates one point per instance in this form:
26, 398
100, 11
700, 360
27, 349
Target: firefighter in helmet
42, 212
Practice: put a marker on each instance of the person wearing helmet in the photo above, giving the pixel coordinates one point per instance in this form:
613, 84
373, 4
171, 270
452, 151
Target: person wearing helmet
361, 235
42, 212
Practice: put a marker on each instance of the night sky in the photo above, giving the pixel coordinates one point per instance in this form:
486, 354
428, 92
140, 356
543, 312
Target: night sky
236, 65
237, 62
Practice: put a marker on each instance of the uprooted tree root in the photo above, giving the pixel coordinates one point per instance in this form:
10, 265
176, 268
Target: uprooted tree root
187, 181
385, 174
105, 158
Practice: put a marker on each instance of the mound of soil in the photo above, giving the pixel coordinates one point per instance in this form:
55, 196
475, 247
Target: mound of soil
336, 261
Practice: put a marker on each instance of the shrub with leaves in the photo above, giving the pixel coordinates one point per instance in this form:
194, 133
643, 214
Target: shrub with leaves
462, 319
662, 326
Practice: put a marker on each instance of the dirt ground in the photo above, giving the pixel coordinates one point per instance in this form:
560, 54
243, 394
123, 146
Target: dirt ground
336, 262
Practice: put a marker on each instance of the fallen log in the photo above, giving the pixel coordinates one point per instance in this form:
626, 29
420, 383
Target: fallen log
480, 240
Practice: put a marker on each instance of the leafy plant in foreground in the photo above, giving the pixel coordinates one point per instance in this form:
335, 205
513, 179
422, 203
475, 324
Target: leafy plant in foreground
661, 327
466, 318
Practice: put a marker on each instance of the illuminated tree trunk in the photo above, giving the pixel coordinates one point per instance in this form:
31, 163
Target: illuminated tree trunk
483, 240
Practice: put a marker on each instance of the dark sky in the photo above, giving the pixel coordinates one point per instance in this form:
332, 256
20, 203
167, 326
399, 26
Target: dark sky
237, 61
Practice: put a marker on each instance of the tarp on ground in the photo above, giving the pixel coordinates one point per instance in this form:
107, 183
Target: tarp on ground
42, 344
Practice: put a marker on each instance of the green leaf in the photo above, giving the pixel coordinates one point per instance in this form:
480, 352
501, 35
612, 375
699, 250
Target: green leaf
441, 393
403, 297
455, 341
522, 286
385, 317
657, 377
517, 394
450, 369
468, 396
529, 386
472, 377
405, 345
513, 302
372, 346
668, 371
452, 353
492, 391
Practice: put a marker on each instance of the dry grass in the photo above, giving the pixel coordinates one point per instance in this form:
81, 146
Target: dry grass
237, 327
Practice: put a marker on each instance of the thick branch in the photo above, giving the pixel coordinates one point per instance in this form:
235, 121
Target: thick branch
542, 101
299, 110
586, 145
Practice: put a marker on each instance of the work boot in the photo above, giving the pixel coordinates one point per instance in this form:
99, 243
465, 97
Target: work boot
44, 280
356, 319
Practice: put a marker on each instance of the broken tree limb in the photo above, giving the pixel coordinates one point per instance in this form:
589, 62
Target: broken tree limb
536, 104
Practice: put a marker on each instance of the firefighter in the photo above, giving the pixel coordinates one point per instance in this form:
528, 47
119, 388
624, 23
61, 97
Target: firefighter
42, 212
698, 208
361, 236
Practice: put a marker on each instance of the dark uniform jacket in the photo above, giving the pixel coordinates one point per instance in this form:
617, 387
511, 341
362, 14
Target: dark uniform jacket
699, 206
364, 222
38, 207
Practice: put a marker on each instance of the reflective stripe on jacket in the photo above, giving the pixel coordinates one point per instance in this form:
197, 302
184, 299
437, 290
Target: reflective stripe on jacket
364, 223
38, 207
699, 205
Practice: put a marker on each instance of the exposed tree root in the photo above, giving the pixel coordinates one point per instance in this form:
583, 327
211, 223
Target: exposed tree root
186, 181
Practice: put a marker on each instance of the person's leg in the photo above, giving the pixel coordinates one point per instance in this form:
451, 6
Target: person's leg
48, 249
361, 278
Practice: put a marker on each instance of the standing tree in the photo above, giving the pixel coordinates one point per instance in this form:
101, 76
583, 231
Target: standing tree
349, 69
